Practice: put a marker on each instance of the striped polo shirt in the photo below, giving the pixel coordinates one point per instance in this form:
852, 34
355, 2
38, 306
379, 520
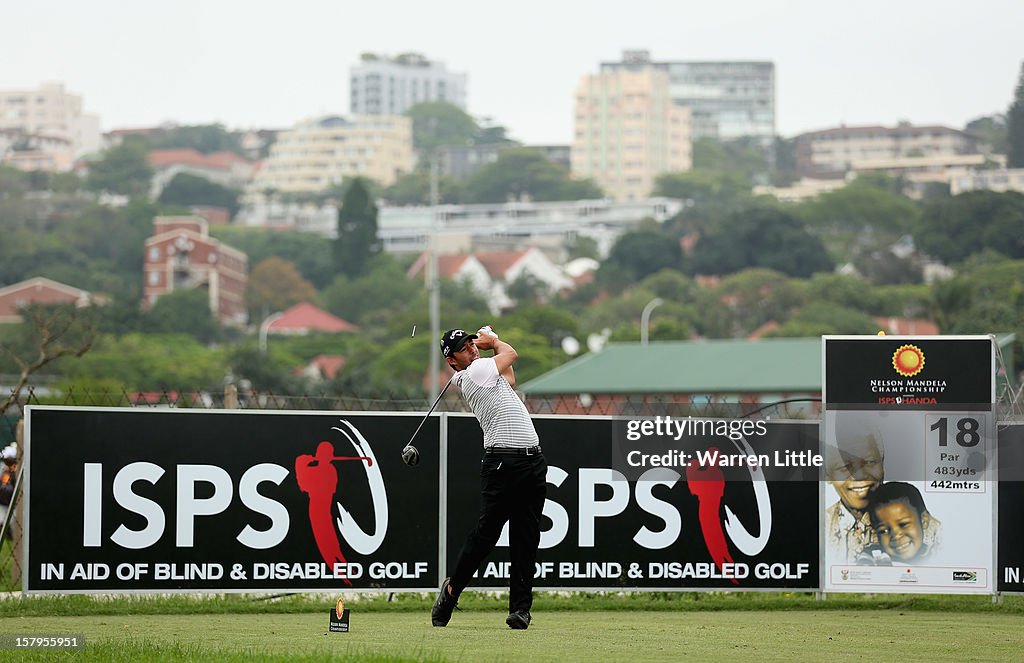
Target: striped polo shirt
501, 414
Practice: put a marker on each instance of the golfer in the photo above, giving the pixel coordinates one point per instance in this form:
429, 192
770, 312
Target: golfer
513, 472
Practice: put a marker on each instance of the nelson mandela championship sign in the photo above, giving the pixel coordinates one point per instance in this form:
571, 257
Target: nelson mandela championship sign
908, 432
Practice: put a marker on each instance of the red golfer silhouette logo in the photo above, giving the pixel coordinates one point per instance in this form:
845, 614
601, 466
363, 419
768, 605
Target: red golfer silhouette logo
707, 484
318, 477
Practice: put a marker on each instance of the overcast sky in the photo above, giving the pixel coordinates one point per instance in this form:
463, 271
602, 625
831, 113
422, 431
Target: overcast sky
268, 64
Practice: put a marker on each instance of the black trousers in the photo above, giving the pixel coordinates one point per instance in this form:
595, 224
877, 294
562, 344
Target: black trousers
512, 490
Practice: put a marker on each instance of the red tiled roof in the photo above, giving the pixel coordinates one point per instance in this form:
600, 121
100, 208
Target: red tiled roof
305, 317
328, 365
497, 263
447, 265
38, 290
190, 157
876, 129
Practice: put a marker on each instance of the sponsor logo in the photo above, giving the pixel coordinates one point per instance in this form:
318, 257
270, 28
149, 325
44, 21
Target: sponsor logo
707, 484
965, 576
317, 476
908, 360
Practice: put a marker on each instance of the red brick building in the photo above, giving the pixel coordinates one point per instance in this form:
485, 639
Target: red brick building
181, 255
38, 290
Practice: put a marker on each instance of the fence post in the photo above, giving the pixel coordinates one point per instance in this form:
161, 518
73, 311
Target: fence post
231, 397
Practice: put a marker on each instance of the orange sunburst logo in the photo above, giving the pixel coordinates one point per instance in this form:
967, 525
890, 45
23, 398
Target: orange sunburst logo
908, 360
339, 607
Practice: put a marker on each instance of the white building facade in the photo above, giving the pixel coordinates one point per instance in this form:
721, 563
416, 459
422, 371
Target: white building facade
382, 85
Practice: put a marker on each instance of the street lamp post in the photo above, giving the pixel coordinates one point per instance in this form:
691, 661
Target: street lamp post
265, 329
645, 318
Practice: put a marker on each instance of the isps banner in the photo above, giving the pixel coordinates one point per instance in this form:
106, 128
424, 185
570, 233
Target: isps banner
165, 500
704, 509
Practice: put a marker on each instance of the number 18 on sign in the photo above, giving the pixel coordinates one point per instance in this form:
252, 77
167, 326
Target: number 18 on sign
957, 454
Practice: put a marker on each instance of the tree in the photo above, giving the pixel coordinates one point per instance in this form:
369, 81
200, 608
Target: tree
1015, 126
188, 190
384, 287
990, 129
152, 362
414, 189
123, 169
13, 182
638, 253
527, 289
871, 203
274, 285
437, 123
525, 173
954, 228
757, 296
760, 237
204, 138
183, 312
310, 253
357, 238
50, 332
742, 156
268, 372
440, 123
819, 318
707, 189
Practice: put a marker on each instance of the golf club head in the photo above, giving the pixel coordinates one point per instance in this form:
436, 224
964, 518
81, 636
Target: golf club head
410, 455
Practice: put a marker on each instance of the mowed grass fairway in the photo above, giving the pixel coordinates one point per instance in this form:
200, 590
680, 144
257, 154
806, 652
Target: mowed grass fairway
562, 635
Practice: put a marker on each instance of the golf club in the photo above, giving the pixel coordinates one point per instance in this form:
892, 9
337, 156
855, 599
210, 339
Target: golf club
410, 454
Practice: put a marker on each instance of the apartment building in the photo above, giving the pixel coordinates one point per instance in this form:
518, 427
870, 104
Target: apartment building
628, 131
322, 152
51, 121
1000, 179
382, 85
833, 152
181, 255
727, 100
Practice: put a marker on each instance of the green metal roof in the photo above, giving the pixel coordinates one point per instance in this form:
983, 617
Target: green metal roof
788, 365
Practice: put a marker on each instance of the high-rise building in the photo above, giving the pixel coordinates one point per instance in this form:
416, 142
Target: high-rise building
628, 131
381, 85
727, 100
321, 152
49, 121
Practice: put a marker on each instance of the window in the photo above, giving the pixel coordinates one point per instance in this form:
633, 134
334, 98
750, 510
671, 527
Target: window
154, 278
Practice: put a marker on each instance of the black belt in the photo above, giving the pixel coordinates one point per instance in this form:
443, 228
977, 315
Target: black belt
513, 451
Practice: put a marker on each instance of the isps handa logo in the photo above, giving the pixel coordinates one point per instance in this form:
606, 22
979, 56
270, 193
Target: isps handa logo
317, 476
908, 360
